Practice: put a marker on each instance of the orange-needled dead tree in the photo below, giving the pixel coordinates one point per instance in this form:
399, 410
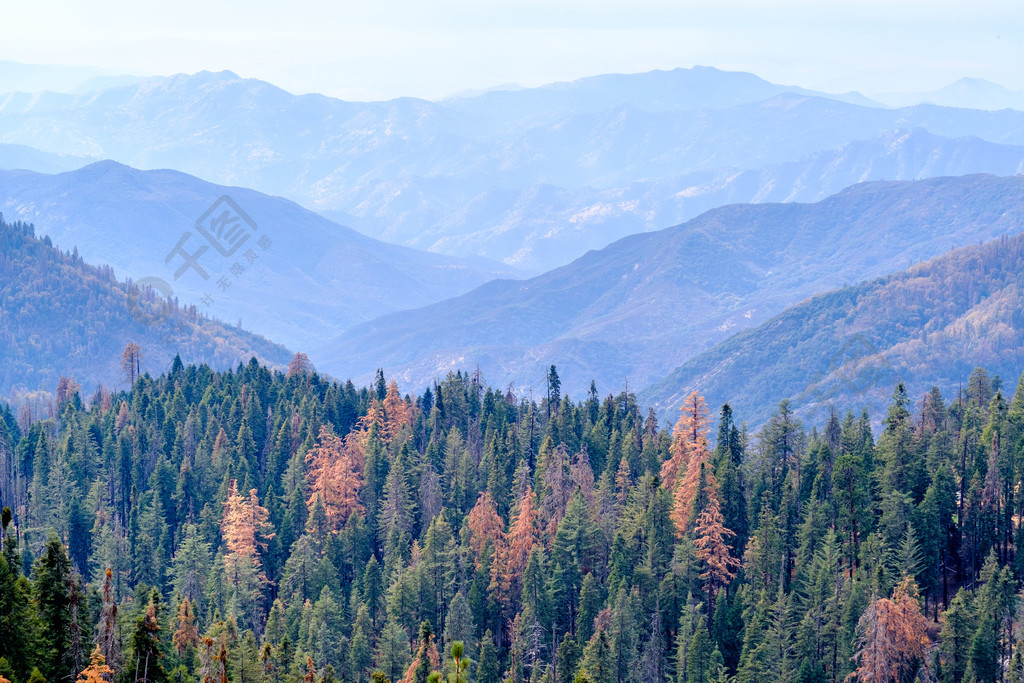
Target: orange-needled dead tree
397, 413
245, 528
510, 560
691, 429
485, 525
710, 539
894, 636
335, 473
97, 671
186, 634
690, 455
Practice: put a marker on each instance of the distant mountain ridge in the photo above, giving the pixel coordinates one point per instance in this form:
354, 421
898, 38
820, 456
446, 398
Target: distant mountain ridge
538, 226
968, 93
306, 280
28, 158
930, 325
649, 302
460, 170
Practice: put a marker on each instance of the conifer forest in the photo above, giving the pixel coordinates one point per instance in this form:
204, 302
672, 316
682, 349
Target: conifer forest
263, 526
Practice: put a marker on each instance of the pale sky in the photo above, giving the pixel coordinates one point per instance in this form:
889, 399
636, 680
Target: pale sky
360, 49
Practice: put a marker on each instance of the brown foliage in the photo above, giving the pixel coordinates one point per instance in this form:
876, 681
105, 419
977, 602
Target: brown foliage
511, 558
67, 387
207, 660
97, 671
709, 539
187, 633
335, 472
485, 524
122, 417
690, 433
894, 634
245, 528
299, 365
131, 360
689, 453
429, 648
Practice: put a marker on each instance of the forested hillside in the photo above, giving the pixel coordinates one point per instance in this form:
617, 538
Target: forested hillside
300, 280
630, 312
257, 526
929, 325
62, 317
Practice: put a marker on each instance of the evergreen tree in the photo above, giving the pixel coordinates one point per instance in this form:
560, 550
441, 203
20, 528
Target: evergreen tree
51, 579
143, 660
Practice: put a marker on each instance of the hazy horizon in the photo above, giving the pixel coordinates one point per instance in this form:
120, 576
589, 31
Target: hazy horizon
405, 49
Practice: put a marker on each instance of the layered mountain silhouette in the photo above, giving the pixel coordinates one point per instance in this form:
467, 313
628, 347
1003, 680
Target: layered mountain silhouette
62, 316
630, 313
305, 280
930, 325
487, 174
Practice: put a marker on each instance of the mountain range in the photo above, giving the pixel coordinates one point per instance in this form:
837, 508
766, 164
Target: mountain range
630, 313
540, 226
930, 325
967, 93
487, 174
306, 279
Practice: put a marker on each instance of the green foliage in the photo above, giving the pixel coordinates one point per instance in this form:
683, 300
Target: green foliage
607, 591
40, 285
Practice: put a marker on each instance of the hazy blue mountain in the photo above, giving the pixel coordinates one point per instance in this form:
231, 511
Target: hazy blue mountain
34, 78
647, 303
63, 316
414, 167
967, 93
30, 159
926, 326
306, 282
542, 226
676, 90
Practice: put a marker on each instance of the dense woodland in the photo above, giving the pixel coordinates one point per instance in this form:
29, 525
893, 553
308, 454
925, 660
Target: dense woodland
62, 316
258, 526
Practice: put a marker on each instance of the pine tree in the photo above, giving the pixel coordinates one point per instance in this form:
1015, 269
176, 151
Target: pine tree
186, 635
894, 636
18, 620
599, 663
704, 659
459, 663
652, 657
335, 473
485, 526
693, 433
360, 656
487, 666
97, 671
954, 641
246, 529
710, 540
426, 658
573, 555
512, 557
143, 663
52, 600
393, 650
689, 436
